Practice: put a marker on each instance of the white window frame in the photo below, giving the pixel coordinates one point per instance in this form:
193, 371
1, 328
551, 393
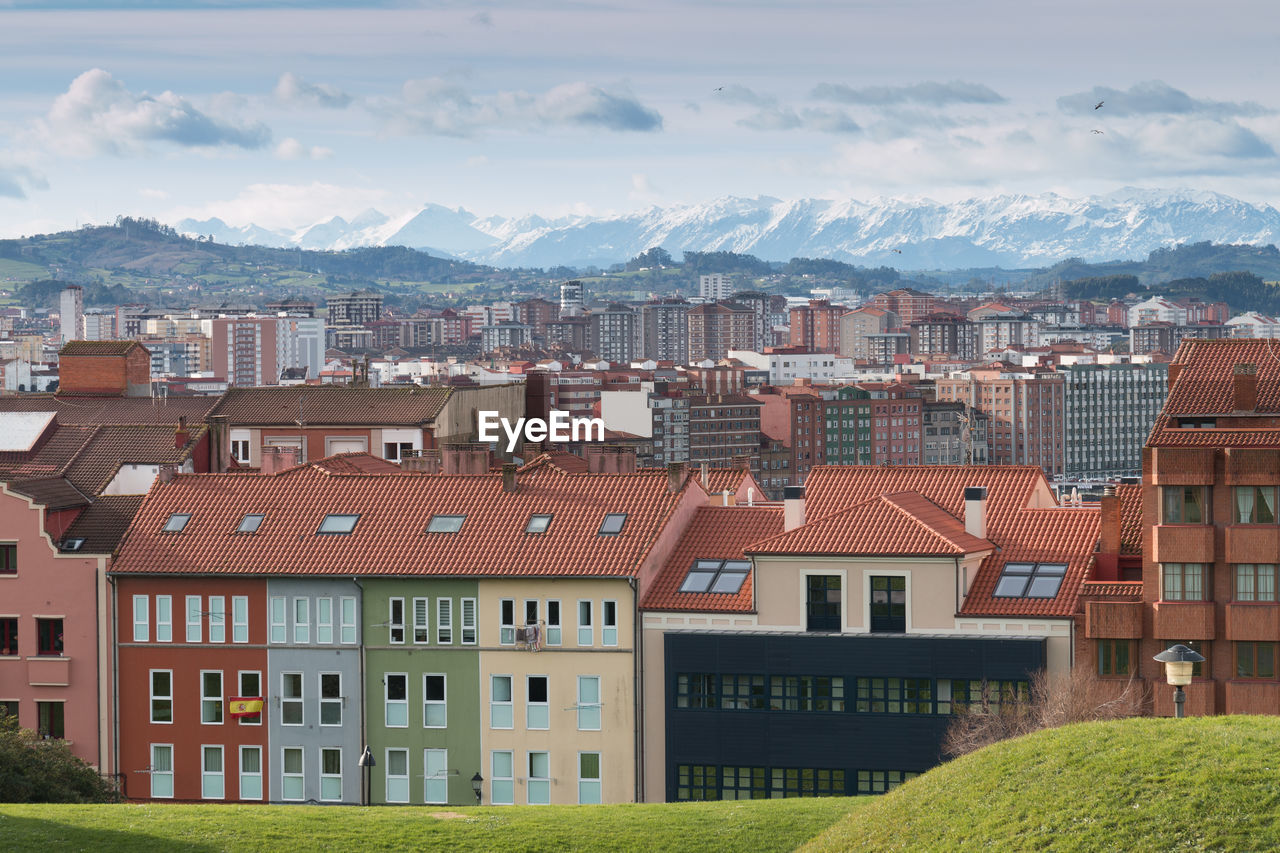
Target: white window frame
340, 701
444, 621
586, 709
442, 704
151, 679
300, 776
205, 698
217, 619
239, 618
393, 624
589, 627
207, 776
141, 619
330, 777
301, 621
470, 634
421, 620
506, 622
508, 782
353, 626
250, 721
252, 776
608, 632
501, 708
434, 781
398, 778
164, 626
554, 626
278, 606
597, 781
195, 627
161, 773
543, 709
324, 620
300, 699
538, 783
387, 701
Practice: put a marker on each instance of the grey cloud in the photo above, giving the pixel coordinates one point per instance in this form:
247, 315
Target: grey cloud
772, 119
16, 180
292, 89
735, 94
830, 121
98, 114
930, 93
578, 103
823, 121
482, 19
1153, 97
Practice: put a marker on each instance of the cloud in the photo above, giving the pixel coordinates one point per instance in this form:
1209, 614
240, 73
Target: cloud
285, 205
784, 118
1153, 97
481, 19
16, 180
929, 93
292, 149
97, 114
152, 192
440, 106
772, 119
735, 94
292, 89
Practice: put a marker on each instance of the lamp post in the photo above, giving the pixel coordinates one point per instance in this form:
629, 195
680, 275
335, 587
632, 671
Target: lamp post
476, 781
1179, 662
367, 761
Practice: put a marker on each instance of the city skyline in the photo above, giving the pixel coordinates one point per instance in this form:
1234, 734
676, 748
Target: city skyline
283, 113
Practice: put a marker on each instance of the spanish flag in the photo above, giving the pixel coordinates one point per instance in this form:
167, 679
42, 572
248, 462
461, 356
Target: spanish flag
244, 706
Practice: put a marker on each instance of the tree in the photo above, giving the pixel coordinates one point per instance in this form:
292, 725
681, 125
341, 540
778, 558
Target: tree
654, 258
45, 771
1053, 700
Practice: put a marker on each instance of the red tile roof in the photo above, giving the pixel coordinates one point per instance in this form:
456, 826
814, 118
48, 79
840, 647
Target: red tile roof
96, 410
89, 456
562, 460
333, 405
353, 463
103, 523
720, 480
390, 537
715, 533
1205, 367
97, 348
902, 523
1130, 495
1112, 589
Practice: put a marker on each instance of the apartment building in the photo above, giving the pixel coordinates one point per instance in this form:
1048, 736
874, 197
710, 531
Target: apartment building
716, 328
664, 330
1026, 408
1109, 409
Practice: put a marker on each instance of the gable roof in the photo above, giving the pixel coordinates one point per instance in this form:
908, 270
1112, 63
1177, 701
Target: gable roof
390, 537
333, 405
714, 533
98, 348
1204, 386
95, 410
899, 524
103, 523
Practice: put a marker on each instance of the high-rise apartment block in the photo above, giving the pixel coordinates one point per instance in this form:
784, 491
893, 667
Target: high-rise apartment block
71, 313
355, 309
717, 327
1109, 410
615, 334
1026, 408
715, 287
664, 330
254, 350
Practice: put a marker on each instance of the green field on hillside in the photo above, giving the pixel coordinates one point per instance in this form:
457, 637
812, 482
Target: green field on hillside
1207, 783
19, 272
747, 826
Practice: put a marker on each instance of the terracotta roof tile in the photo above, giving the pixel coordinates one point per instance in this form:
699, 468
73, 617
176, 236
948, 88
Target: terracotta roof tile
97, 410
333, 405
51, 492
1203, 385
720, 480
1130, 495
98, 348
353, 463
1165, 434
1112, 589
103, 523
714, 533
390, 537
902, 523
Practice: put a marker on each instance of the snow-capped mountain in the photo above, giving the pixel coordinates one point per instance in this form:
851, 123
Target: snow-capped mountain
1008, 230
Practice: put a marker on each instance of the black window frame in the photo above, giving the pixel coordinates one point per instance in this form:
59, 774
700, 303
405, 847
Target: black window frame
888, 616
49, 641
696, 690
822, 615
716, 572
1039, 580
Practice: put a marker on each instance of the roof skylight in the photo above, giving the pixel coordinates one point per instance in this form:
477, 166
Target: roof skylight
338, 524
73, 544
177, 522
718, 576
613, 524
538, 523
1030, 580
445, 523
250, 523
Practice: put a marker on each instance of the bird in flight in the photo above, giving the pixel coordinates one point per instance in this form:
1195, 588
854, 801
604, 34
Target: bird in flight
1098, 105
717, 89
1099, 131
897, 251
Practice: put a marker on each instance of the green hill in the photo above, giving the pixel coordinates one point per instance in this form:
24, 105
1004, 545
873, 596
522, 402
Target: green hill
1210, 783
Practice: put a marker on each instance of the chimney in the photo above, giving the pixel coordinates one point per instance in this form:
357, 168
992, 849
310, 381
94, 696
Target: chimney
426, 461
180, 435
704, 471
468, 458
675, 476
1109, 531
509, 484
975, 511
166, 473
1174, 369
1244, 388
610, 459
219, 444
277, 459
792, 507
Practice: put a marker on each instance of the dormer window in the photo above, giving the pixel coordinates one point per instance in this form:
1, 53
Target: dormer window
716, 576
177, 522
72, 545
250, 523
538, 524
445, 523
335, 524
613, 524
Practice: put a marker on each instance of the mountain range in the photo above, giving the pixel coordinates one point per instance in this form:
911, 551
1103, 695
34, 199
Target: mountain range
1006, 230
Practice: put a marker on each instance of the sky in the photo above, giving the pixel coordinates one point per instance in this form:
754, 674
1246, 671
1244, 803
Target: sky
286, 113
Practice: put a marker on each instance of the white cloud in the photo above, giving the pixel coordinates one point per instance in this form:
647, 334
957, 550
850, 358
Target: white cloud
98, 115
293, 90
292, 149
287, 205
151, 192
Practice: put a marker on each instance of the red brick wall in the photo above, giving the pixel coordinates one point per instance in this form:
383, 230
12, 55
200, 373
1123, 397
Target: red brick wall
93, 374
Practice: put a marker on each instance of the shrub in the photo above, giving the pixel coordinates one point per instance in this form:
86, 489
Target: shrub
45, 771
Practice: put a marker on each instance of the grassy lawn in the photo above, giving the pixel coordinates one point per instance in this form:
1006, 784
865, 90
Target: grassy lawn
1206, 783
751, 827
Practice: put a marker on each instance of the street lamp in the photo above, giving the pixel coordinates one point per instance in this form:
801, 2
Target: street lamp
476, 781
367, 761
1179, 662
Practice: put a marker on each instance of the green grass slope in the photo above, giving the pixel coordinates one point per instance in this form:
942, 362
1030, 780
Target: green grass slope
751, 827
1147, 784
